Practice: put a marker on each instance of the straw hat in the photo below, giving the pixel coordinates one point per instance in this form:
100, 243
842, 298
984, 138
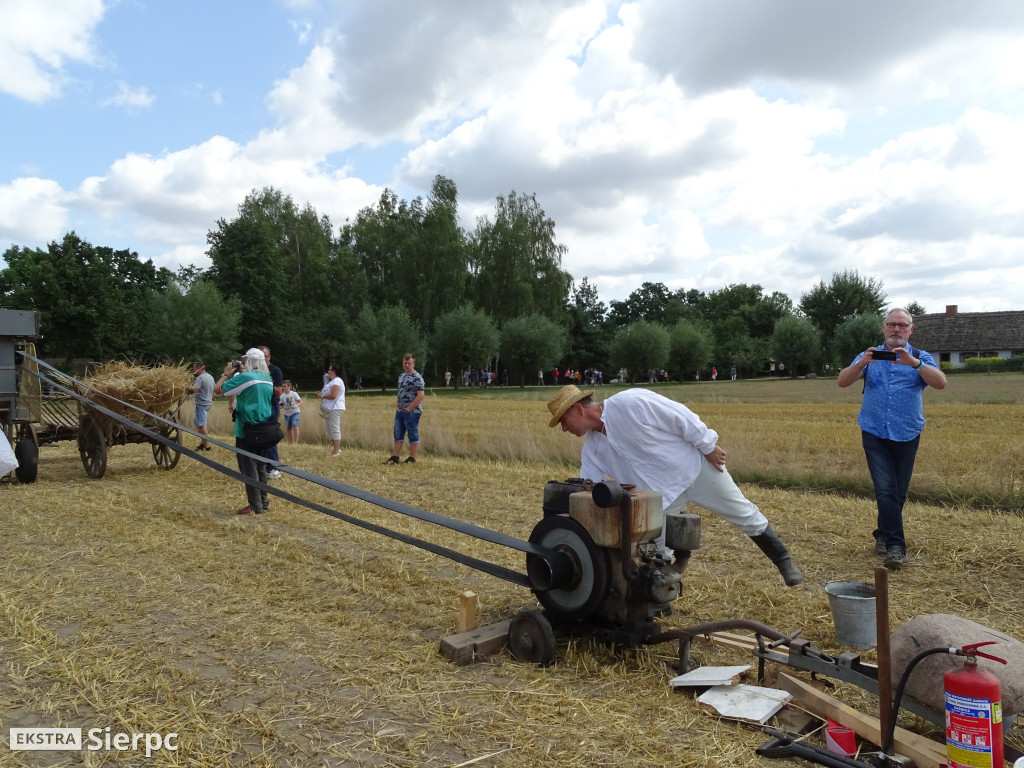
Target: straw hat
563, 400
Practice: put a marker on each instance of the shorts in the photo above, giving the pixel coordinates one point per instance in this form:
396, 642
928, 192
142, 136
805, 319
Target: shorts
201, 411
407, 423
332, 424
292, 419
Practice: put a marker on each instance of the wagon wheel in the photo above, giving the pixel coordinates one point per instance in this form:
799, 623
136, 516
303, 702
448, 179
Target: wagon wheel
165, 456
28, 460
92, 447
26, 451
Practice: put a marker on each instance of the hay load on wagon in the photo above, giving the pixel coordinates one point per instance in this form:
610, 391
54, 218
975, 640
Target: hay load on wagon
117, 386
158, 389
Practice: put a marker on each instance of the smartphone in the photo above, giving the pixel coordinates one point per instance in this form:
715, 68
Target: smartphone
883, 354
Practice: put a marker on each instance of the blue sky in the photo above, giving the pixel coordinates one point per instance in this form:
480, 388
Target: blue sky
674, 141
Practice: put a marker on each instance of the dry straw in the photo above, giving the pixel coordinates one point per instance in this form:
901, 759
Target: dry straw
143, 603
156, 389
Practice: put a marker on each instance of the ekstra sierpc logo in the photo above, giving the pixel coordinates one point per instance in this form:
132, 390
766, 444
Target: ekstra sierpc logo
52, 739
46, 738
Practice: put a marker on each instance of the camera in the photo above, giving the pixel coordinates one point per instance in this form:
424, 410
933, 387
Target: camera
237, 365
883, 354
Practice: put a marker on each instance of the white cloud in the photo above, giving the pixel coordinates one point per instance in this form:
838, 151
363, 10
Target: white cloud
178, 196
129, 97
735, 42
38, 38
32, 210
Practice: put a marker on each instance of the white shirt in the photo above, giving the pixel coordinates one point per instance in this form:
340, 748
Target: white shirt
650, 441
338, 404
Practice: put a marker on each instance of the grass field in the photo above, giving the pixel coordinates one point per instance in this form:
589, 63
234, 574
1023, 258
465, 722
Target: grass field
790, 433
142, 603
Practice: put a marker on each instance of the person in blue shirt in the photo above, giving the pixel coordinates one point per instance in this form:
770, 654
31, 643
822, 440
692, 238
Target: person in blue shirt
891, 419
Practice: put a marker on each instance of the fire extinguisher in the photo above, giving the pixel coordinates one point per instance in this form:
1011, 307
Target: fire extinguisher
974, 717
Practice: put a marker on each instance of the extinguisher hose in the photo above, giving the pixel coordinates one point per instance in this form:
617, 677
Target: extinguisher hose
887, 743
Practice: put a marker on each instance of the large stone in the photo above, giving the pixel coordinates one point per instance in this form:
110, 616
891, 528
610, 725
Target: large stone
947, 631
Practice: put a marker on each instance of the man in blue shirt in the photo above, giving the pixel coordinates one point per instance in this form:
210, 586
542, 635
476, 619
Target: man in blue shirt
891, 419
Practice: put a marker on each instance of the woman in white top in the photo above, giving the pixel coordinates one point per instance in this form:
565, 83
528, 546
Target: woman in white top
332, 399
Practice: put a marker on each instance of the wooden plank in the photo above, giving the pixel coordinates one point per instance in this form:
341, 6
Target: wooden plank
924, 752
464, 647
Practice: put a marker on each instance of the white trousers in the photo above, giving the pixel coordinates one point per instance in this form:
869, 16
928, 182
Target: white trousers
717, 492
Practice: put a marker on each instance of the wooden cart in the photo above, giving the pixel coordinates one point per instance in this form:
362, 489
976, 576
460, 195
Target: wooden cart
97, 432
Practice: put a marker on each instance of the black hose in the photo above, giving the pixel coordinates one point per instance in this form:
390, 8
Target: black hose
783, 746
887, 742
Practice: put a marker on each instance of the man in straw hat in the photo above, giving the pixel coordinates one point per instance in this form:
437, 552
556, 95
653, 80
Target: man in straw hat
645, 439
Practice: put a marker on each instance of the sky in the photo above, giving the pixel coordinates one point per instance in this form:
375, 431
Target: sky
697, 144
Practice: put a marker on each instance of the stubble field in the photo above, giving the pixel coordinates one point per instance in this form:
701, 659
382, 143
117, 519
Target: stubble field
142, 603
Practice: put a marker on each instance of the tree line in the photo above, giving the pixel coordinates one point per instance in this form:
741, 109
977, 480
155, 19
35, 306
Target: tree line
405, 276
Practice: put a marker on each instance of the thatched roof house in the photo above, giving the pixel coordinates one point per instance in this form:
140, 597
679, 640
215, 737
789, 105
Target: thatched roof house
953, 337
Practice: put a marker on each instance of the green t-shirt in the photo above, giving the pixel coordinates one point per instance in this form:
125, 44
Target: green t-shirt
253, 393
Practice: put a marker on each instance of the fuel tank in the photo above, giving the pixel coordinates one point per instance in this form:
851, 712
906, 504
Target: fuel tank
605, 524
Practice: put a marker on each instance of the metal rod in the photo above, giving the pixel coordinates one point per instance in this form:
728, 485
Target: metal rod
885, 713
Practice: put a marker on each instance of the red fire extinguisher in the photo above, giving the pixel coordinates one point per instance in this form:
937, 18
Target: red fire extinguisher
974, 716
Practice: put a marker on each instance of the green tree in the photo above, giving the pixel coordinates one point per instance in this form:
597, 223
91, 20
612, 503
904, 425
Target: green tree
197, 325
797, 344
414, 253
915, 308
516, 262
464, 337
648, 302
530, 343
847, 294
690, 347
299, 290
249, 265
854, 335
92, 299
588, 345
640, 347
441, 255
380, 339
749, 355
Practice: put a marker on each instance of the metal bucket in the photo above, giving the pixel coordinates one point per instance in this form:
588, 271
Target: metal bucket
853, 612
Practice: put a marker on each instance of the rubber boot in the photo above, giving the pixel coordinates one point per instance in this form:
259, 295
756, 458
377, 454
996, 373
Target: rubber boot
769, 543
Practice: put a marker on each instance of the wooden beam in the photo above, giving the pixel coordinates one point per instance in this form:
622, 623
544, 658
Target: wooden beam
923, 751
464, 647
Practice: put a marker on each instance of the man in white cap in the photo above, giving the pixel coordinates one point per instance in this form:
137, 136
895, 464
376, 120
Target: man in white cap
640, 437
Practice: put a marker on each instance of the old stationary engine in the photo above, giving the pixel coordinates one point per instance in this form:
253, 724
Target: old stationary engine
622, 576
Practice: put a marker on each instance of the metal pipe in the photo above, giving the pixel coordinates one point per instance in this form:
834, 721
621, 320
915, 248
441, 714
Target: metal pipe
685, 634
885, 713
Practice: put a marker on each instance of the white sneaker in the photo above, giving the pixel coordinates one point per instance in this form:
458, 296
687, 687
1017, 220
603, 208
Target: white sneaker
273, 473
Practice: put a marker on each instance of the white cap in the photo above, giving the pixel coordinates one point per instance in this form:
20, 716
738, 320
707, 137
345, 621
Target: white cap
255, 354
